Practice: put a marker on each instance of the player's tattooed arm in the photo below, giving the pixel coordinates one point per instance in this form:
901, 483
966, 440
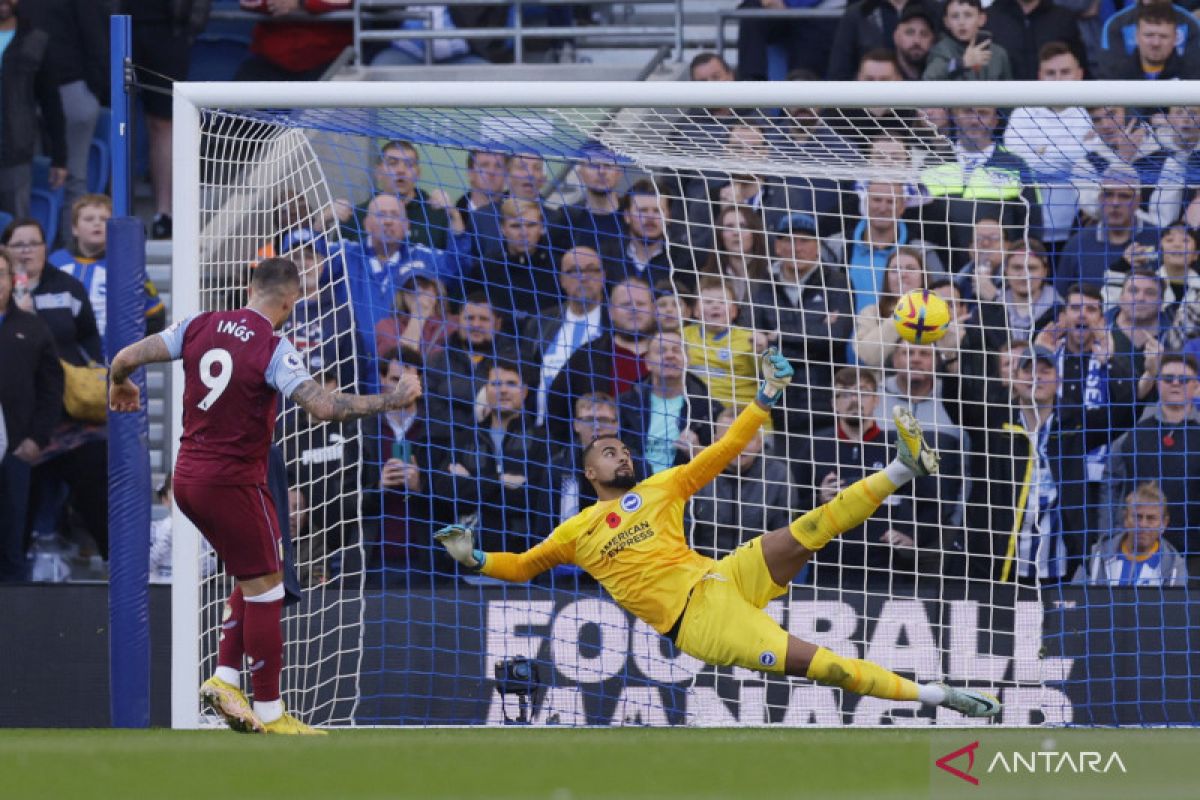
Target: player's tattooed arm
150, 350
329, 406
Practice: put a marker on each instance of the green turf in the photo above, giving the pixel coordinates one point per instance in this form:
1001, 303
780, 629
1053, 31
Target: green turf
575, 764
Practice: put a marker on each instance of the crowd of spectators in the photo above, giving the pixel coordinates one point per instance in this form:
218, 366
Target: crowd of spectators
1062, 397
543, 307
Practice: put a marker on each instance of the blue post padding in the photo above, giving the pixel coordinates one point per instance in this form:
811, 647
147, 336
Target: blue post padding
129, 489
121, 36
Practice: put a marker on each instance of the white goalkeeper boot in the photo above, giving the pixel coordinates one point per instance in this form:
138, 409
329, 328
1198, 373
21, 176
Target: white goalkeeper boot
970, 702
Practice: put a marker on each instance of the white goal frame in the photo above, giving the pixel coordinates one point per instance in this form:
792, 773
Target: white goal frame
192, 99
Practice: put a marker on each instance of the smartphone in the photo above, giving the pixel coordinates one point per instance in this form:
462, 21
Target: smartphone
402, 450
982, 36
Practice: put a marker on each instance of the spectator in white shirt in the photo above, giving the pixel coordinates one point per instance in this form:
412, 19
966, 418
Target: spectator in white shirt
579, 320
1116, 137
1051, 140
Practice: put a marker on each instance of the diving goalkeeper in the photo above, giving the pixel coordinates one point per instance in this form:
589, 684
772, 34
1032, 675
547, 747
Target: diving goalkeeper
632, 542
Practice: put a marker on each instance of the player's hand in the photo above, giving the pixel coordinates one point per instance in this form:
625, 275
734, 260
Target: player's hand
124, 397
512, 480
777, 374
459, 541
407, 391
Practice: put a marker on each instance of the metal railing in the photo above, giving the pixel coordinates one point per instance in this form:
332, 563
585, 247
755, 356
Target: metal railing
724, 17
611, 35
368, 17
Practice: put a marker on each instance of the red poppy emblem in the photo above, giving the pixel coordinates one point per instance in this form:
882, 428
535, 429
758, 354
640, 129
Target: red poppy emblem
613, 519
1169, 440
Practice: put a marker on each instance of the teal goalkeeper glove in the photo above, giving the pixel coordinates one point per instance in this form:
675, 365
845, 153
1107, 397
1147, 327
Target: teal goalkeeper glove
459, 541
777, 374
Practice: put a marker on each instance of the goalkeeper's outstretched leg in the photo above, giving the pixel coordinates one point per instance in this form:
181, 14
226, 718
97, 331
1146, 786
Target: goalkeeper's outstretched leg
807, 660
787, 550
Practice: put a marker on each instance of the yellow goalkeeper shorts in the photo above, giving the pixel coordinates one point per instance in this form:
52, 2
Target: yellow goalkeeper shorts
724, 623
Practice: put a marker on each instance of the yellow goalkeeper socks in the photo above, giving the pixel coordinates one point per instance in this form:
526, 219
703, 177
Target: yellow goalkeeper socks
861, 677
851, 508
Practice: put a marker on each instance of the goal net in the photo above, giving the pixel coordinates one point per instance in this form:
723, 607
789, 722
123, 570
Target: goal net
560, 262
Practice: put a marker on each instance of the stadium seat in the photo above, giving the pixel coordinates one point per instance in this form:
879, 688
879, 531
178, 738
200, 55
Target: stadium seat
221, 47
5, 218
45, 206
99, 153
98, 161
41, 178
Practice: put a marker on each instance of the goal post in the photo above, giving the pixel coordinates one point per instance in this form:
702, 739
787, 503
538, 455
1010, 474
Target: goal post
945, 587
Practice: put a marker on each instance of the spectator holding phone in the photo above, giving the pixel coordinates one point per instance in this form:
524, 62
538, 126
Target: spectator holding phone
966, 51
404, 444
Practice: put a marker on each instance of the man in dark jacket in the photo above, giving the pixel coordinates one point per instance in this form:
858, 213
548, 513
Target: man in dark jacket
28, 86
1120, 30
905, 534
520, 276
1022, 27
804, 43
754, 493
497, 469
1026, 516
398, 171
455, 374
809, 305
1154, 57
612, 363
31, 388
402, 456
78, 54
867, 25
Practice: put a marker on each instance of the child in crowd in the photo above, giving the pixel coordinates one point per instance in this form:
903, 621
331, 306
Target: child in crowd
966, 52
720, 353
86, 260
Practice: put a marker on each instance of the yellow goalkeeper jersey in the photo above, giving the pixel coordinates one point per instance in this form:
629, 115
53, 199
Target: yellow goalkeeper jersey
634, 545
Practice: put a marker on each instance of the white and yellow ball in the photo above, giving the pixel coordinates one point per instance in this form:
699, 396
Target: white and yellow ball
921, 317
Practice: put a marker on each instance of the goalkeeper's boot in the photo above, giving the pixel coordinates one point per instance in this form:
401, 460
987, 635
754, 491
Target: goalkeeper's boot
231, 705
913, 452
290, 726
970, 702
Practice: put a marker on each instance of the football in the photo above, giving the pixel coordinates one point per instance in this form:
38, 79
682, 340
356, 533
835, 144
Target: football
921, 317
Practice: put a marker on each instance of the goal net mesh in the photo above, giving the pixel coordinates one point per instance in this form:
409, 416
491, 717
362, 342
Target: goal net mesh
558, 274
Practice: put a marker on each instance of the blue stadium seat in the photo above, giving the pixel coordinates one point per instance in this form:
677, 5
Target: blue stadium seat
221, 47
41, 178
99, 154
45, 206
5, 218
98, 161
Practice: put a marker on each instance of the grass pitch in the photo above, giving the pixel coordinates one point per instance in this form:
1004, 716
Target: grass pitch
571, 764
